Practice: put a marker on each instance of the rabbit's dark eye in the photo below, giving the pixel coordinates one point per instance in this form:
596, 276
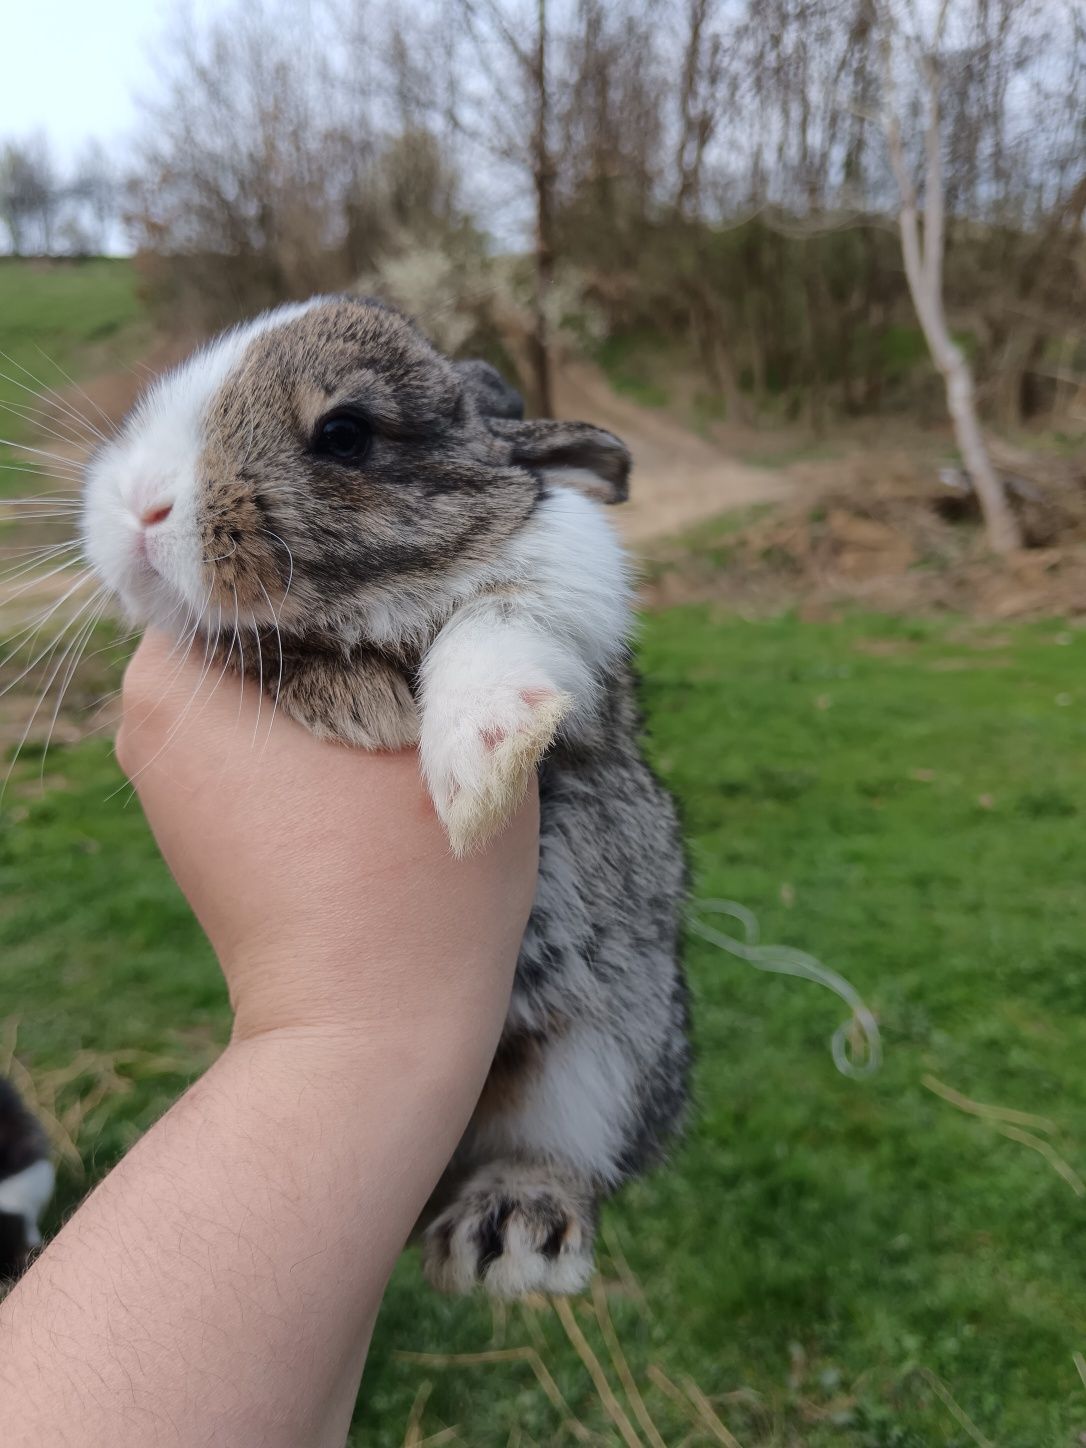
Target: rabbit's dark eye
344, 436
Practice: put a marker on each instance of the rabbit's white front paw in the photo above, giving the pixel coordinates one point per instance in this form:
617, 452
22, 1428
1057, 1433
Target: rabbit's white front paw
479, 751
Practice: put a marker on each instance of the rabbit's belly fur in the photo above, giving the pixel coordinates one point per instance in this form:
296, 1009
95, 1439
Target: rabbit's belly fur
591, 1076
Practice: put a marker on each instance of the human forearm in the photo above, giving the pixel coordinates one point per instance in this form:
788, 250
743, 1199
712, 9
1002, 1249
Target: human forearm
221, 1285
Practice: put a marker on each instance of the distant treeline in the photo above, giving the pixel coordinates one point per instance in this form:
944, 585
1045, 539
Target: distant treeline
47, 209
736, 178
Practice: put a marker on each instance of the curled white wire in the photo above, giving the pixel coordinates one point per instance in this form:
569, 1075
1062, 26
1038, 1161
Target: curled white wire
848, 1056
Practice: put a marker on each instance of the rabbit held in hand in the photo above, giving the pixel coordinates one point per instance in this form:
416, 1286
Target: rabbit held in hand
373, 533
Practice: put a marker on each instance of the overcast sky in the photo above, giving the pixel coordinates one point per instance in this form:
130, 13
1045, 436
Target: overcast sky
71, 67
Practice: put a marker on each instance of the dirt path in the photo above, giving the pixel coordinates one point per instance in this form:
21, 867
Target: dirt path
678, 478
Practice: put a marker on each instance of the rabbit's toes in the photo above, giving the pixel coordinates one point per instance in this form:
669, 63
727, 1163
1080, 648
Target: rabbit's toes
512, 1234
480, 753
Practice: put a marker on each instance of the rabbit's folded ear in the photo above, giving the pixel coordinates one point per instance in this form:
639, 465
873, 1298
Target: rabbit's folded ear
573, 454
492, 395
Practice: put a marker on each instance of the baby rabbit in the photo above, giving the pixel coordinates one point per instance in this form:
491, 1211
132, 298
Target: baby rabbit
369, 528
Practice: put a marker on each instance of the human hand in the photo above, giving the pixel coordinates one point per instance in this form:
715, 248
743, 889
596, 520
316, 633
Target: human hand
320, 874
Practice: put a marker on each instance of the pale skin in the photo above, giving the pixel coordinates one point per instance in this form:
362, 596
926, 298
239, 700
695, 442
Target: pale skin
220, 1286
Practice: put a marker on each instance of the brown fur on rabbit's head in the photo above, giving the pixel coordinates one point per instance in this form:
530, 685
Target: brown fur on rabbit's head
318, 464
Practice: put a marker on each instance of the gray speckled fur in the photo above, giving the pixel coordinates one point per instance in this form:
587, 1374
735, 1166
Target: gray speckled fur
601, 949
603, 939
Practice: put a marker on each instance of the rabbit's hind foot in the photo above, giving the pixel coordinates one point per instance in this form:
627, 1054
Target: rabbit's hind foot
513, 1229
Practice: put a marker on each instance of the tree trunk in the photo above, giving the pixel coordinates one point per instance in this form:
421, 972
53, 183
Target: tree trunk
543, 180
1021, 352
690, 147
814, 344
961, 401
1002, 526
717, 360
756, 350
735, 402
755, 328
999, 520
712, 337
875, 290
924, 273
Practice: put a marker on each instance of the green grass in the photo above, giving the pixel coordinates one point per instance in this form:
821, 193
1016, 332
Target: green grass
828, 1259
85, 316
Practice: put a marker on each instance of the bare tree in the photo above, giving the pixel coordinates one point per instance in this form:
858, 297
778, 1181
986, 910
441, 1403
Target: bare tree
93, 195
699, 103
270, 170
511, 116
1033, 189
29, 195
923, 242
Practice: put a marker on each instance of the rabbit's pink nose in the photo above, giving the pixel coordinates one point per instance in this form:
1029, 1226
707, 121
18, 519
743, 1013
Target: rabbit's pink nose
150, 516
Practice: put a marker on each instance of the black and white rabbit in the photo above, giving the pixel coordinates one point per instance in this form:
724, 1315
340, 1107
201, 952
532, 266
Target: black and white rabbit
26, 1182
325, 489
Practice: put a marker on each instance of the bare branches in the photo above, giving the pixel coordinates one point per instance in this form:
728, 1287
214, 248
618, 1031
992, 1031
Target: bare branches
701, 102
277, 163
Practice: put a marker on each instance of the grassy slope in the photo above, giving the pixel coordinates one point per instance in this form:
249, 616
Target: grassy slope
907, 802
82, 315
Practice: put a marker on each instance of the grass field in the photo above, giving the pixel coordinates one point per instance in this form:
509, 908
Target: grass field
830, 1261
70, 317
